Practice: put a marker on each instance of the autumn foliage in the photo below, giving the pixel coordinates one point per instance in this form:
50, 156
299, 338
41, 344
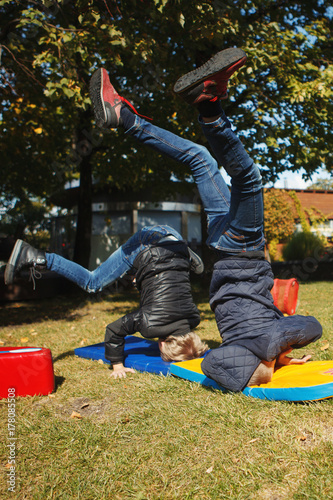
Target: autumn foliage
279, 215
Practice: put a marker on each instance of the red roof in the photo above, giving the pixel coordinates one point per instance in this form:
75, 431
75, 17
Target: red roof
315, 199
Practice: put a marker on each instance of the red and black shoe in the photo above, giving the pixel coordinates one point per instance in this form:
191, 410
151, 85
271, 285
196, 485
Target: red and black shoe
210, 81
106, 101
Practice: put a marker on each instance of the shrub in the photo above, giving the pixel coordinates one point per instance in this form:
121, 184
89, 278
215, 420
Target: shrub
279, 217
303, 245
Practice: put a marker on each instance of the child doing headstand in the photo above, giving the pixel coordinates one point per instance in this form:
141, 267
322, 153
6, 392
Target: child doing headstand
255, 333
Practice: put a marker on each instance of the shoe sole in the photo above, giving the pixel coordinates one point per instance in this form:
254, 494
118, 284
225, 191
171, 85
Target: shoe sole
221, 60
96, 96
9, 270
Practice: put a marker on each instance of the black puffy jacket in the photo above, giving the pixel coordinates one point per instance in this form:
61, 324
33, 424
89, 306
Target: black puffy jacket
166, 302
251, 327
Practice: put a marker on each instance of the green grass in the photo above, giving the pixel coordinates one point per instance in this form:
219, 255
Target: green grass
153, 437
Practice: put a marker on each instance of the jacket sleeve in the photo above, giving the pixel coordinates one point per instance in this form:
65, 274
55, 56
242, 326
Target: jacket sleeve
115, 336
230, 366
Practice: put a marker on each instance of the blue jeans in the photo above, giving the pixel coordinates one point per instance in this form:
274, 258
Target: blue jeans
115, 266
235, 219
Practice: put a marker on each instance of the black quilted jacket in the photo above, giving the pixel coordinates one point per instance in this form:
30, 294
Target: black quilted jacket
166, 303
251, 327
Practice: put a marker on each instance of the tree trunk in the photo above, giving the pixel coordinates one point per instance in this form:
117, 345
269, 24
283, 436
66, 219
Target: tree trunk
83, 148
84, 218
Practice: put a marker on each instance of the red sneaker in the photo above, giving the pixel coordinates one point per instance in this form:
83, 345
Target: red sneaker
106, 101
210, 81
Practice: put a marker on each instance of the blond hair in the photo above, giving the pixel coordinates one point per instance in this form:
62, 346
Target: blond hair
182, 347
263, 373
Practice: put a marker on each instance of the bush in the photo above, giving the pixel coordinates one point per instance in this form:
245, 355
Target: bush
279, 216
303, 245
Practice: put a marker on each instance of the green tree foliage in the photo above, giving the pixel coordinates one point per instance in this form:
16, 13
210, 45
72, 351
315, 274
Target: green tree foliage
279, 215
303, 245
324, 184
281, 102
28, 219
279, 219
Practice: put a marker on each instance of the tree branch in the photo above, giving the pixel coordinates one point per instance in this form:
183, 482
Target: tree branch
23, 67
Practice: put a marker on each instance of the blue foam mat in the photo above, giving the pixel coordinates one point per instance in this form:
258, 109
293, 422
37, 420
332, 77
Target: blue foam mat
194, 376
141, 354
294, 394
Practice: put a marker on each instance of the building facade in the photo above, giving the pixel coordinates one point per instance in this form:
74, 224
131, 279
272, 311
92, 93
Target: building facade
114, 222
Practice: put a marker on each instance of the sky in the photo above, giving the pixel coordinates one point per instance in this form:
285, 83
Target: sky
290, 180
294, 180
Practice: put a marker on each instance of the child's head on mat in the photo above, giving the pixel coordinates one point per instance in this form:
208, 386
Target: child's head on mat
182, 347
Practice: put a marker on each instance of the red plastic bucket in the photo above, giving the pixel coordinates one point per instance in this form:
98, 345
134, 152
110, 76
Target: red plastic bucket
26, 371
285, 295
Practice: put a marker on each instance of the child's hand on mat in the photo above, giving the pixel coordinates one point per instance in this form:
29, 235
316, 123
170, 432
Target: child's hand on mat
284, 360
119, 371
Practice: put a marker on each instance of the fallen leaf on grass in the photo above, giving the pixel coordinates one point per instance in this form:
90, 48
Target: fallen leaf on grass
325, 346
210, 469
83, 341
75, 414
24, 340
1, 342
301, 437
100, 361
253, 440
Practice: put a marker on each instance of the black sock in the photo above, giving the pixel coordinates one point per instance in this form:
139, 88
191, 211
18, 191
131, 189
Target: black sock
127, 117
208, 109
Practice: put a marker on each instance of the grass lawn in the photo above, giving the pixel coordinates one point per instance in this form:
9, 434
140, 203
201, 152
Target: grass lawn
154, 437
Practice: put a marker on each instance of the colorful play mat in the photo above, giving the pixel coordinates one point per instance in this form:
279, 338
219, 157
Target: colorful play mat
309, 382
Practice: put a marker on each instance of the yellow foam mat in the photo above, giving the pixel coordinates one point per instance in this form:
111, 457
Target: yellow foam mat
308, 382
309, 374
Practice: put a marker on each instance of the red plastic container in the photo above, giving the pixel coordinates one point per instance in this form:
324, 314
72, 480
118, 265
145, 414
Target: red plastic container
285, 295
27, 370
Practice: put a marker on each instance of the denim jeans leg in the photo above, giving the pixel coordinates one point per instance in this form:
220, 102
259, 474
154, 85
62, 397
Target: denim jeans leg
245, 226
90, 281
115, 266
214, 192
148, 235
